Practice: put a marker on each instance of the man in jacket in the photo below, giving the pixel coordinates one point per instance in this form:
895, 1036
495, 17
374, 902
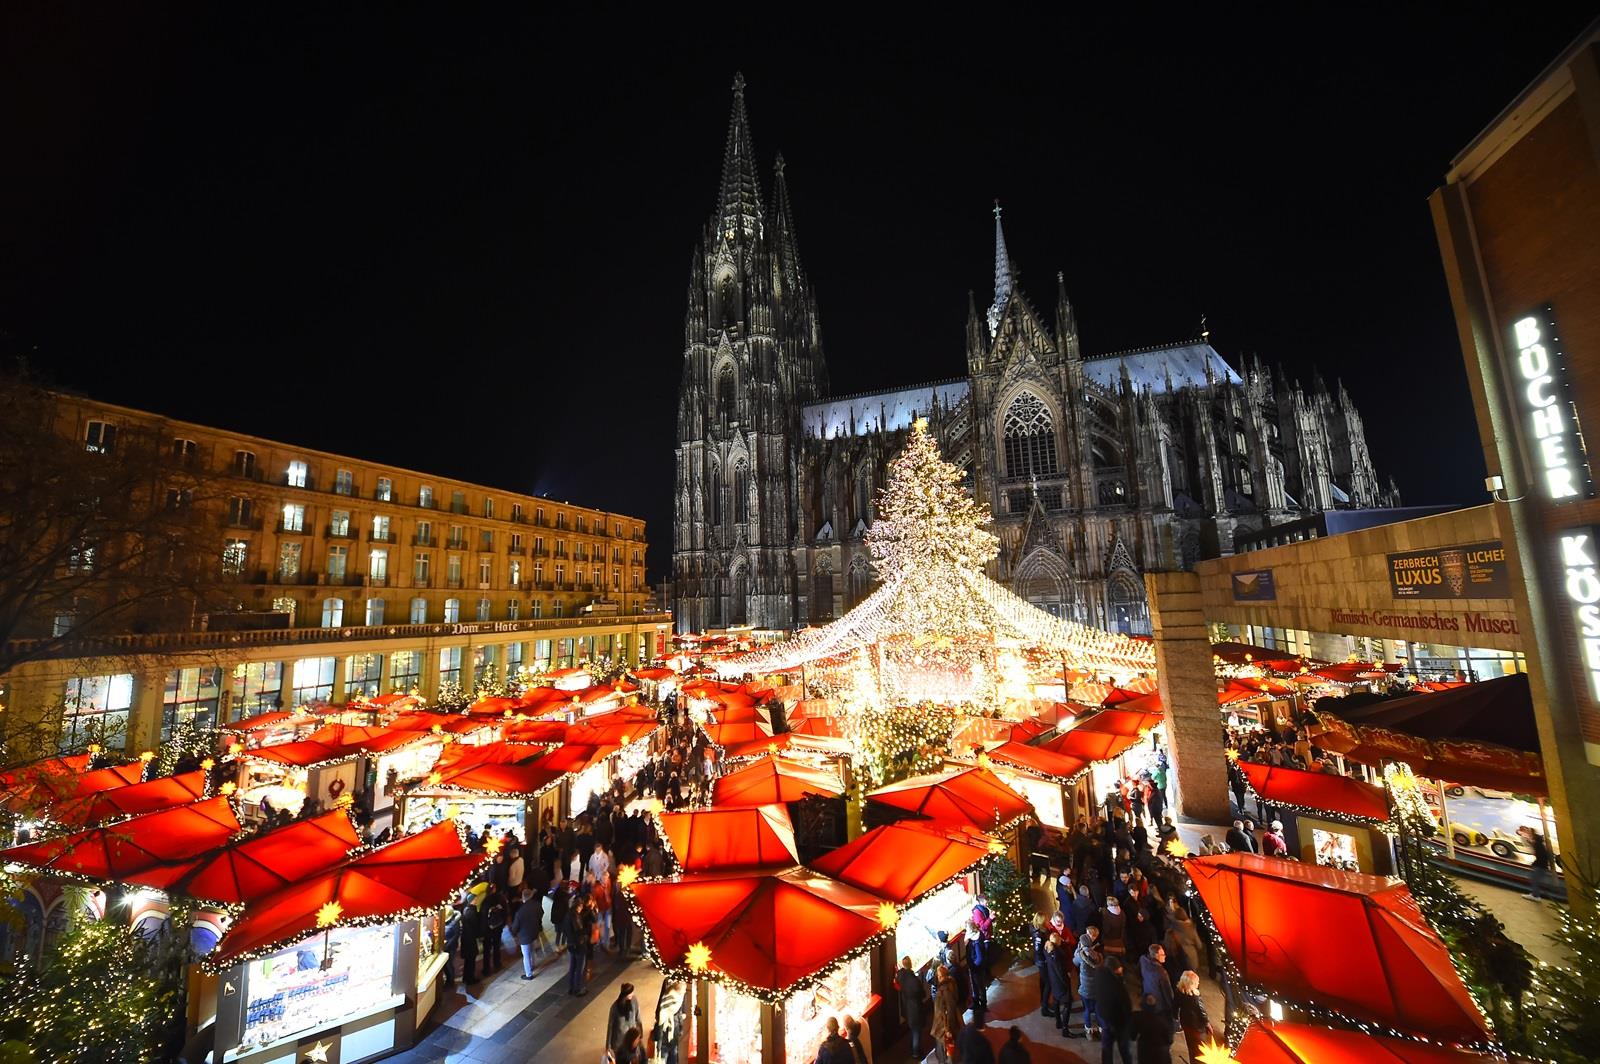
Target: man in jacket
1116, 1011
835, 1050
471, 937
1154, 980
914, 999
671, 1008
1088, 959
527, 927
971, 1046
1238, 841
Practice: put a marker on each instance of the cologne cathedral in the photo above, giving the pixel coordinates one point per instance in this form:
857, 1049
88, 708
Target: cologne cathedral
1096, 466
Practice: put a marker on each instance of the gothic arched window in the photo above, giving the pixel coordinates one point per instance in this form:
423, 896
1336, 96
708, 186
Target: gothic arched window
737, 607
857, 580
741, 492
1030, 438
727, 395
716, 494
864, 498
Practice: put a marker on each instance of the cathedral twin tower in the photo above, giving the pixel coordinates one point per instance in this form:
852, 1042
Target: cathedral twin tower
1095, 467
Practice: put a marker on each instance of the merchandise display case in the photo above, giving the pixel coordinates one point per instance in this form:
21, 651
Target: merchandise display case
479, 812
846, 991
946, 909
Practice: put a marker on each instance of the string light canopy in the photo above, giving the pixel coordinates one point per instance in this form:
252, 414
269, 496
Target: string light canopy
930, 545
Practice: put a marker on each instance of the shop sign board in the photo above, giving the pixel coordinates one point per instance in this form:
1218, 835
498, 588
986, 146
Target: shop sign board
1466, 571
1549, 416
1580, 564
1254, 585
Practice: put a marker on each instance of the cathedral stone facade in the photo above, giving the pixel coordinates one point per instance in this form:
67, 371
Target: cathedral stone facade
1097, 467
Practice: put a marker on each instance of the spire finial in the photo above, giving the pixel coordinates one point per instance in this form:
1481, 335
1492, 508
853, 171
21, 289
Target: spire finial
739, 202
1002, 274
738, 83
777, 165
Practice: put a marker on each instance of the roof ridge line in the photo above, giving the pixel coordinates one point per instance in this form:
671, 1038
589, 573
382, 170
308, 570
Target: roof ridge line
884, 391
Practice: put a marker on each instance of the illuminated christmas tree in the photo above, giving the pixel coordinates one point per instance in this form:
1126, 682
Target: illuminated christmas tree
927, 523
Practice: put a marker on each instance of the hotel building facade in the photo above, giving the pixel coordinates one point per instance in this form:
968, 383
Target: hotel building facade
351, 578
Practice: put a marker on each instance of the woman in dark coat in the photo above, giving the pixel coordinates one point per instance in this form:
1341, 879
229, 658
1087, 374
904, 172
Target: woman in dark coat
1060, 984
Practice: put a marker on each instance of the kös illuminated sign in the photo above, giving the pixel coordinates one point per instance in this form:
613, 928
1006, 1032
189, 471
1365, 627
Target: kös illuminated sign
1580, 564
1557, 444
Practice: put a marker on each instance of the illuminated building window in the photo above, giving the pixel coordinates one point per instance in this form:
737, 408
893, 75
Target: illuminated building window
296, 476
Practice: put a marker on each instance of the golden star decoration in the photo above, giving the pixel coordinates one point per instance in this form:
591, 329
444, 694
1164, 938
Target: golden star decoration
983, 761
329, 914
1233, 753
435, 778
235, 748
228, 788
698, 957
1214, 1052
452, 811
626, 875
437, 729
93, 748
1177, 849
147, 756
492, 846
208, 764
996, 847
772, 748
888, 915
318, 1054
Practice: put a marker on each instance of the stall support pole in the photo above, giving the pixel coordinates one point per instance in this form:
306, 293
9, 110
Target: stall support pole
702, 1020
1444, 814
772, 1049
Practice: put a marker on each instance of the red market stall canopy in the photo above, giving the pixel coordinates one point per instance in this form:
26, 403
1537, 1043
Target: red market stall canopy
1133, 718
499, 706
992, 731
1317, 791
56, 779
551, 732
137, 845
1249, 654
773, 781
729, 735
445, 723
1348, 672
405, 878
973, 797
244, 871
135, 798
656, 673
1038, 761
1088, 745
460, 755
758, 746
527, 779
1481, 734
1353, 943
722, 840
270, 719
766, 931
1297, 1043
336, 742
1260, 685
535, 699
903, 861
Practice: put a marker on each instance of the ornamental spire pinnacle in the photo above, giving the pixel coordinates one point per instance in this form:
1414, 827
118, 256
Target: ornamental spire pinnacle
1002, 274
739, 201
783, 222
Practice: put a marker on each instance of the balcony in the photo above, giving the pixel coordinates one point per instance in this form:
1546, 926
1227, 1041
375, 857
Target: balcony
458, 507
244, 521
521, 552
541, 552
285, 530
329, 532
518, 519
378, 581
424, 541
421, 581
308, 483
455, 544
346, 580
387, 537
453, 582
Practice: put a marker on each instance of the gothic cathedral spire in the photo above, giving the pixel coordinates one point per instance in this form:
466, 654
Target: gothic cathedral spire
1002, 273
739, 201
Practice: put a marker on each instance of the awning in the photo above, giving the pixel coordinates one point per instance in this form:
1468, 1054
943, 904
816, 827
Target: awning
992, 731
1088, 745
1038, 761
972, 798
1317, 791
403, 879
1353, 943
905, 860
137, 845
729, 735
1249, 654
446, 723
524, 780
724, 840
250, 869
36, 786
773, 780
767, 931
117, 802
1133, 718
1298, 1043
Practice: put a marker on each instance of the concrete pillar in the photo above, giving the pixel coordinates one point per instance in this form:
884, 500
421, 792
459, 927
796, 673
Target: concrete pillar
1188, 688
341, 672
144, 716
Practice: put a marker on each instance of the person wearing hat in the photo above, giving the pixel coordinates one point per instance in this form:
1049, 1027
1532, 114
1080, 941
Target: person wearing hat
1272, 841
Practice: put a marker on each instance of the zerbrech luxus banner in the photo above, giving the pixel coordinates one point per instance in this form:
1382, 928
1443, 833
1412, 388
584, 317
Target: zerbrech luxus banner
1468, 571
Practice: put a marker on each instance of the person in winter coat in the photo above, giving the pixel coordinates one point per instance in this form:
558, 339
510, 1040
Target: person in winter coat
471, 937
1192, 1018
1040, 940
1083, 911
1154, 981
834, 1049
580, 922
1113, 928
560, 905
1014, 1052
494, 924
978, 960
1059, 960
666, 1038
914, 1001
1238, 840
859, 1040
1088, 959
1155, 1033
971, 1046
1273, 843
1182, 940
1138, 934
527, 927
1116, 1011
946, 1013
624, 1017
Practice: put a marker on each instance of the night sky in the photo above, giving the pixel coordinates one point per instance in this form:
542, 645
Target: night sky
462, 245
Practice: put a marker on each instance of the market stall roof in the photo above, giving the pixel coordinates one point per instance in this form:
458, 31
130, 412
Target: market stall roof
1278, 918
1345, 671
992, 731
1482, 734
575, 757
759, 745
248, 869
335, 742
722, 840
462, 755
773, 780
1250, 654
655, 673
408, 876
270, 719
1264, 685
535, 697
117, 802
973, 797
821, 727
905, 860
495, 706
1298, 1043
1132, 718
135, 845
767, 931
729, 735
449, 723
56, 779
1038, 761
527, 779
1317, 790
1089, 745
552, 732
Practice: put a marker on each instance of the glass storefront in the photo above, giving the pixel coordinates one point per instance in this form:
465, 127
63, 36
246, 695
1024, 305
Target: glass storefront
318, 983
